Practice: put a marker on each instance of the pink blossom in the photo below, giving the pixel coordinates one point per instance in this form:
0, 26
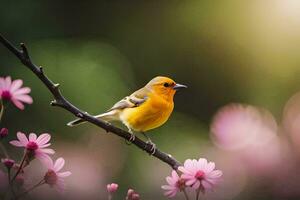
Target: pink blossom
132, 195
12, 91
53, 177
3, 132
237, 126
112, 188
175, 184
9, 163
35, 146
200, 174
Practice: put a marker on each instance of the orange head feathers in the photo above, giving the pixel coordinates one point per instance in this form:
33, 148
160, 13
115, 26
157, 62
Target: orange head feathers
164, 86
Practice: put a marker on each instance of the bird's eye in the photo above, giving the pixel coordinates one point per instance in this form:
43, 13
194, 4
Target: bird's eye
166, 84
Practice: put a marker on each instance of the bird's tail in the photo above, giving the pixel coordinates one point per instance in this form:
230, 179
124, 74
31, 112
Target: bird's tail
108, 116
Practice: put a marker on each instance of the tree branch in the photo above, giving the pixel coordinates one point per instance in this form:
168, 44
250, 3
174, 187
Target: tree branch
61, 101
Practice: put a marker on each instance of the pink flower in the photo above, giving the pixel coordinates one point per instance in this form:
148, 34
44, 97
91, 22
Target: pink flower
132, 195
35, 146
199, 174
12, 91
53, 177
236, 126
3, 132
175, 184
112, 188
9, 163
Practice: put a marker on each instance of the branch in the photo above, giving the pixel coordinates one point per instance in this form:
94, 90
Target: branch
61, 101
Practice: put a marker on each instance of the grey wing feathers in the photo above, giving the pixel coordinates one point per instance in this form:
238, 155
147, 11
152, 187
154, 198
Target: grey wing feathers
134, 100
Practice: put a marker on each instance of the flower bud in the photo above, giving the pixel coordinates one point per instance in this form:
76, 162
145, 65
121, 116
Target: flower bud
130, 192
3, 133
135, 196
112, 188
132, 195
9, 163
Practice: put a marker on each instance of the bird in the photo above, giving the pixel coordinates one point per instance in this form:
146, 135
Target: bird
143, 110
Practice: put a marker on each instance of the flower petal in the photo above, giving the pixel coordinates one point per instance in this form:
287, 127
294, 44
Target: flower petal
190, 182
45, 145
64, 174
8, 81
196, 185
24, 90
167, 187
60, 185
43, 139
210, 167
59, 163
16, 143
16, 84
206, 184
32, 137
2, 85
45, 159
202, 162
18, 104
22, 138
215, 174
24, 98
47, 151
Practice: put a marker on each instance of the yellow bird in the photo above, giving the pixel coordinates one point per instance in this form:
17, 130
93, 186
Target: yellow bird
145, 109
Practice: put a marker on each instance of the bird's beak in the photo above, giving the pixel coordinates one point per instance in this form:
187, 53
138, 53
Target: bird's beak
178, 86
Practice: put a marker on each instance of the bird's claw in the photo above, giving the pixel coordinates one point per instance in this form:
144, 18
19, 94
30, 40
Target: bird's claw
131, 139
153, 147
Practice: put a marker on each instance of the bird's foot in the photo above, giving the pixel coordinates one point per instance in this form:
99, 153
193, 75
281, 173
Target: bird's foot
153, 147
130, 140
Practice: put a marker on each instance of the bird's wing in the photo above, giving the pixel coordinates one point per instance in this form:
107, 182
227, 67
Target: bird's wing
134, 100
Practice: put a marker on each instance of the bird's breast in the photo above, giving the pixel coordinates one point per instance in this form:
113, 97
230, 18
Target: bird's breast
151, 114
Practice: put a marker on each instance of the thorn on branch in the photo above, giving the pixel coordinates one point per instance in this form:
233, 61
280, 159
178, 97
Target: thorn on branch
55, 86
53, 103
41, 70
79, 115
24, 51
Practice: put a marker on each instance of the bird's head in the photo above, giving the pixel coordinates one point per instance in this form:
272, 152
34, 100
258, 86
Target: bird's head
164, 86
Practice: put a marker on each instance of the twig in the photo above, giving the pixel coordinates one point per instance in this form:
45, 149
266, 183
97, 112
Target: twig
1, 109
20, 168
61, 101
197, 194
185, 194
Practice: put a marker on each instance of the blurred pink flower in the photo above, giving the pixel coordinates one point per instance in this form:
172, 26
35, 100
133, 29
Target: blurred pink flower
12, 91
8, 163
3, 132
236, 126
175, 184
112, 188
132, 195
35, 146
53, 177
246, 131
199, 174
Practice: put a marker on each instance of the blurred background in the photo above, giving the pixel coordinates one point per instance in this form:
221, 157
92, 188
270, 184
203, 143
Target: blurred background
99, 51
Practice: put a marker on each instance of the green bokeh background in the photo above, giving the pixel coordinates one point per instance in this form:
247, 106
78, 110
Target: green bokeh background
100, 51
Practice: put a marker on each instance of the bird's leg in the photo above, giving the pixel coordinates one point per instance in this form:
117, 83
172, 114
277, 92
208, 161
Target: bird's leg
132, 137
149, 142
